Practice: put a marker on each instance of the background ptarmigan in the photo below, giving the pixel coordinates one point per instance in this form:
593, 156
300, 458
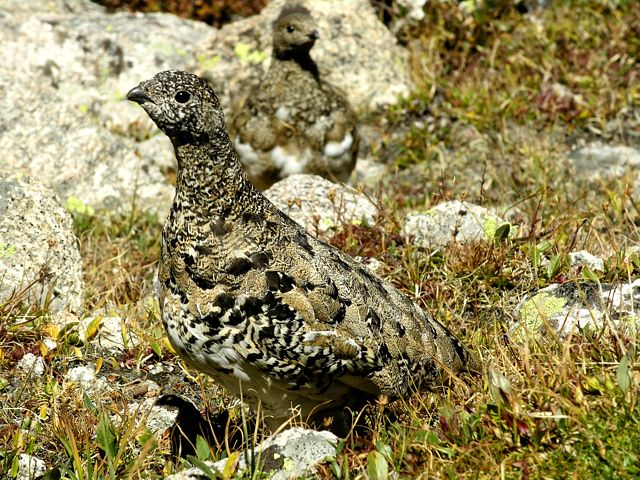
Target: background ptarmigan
250, 298
294, 121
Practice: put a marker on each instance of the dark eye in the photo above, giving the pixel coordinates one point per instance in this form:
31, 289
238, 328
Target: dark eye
182, 96
291, 28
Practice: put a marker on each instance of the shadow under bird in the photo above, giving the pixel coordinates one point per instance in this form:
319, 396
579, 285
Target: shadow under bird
276, 316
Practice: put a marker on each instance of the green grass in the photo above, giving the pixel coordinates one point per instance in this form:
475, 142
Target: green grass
484, 124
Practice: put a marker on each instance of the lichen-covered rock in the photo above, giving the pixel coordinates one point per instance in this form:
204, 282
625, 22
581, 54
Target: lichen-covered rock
289, 455
320, 205
39, 253
355, 52
453, 221
566, 308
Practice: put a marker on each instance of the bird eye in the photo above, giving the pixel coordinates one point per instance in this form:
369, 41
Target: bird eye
182, 96
291, 28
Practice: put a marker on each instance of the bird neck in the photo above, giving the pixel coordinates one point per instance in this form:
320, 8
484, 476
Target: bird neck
300, 59
210, 178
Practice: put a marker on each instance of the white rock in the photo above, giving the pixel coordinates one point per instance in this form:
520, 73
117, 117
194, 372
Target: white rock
566, 308
31, 365
289, 455
156, 418
597, 160
368, 172
110, 335
67, 65
584, 258
30, 467
452, 221
85, 377
320, 205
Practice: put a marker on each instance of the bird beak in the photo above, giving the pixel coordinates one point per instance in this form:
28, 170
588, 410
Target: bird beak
314, 35
137, 94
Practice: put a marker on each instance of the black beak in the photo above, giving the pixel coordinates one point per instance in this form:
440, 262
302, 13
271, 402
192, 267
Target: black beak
136, 94
314, 35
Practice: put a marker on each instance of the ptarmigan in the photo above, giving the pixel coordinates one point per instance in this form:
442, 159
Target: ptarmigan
294, 121
247, 296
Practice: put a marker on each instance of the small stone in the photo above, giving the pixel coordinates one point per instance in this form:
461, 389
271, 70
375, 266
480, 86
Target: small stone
453, 221
50, 343
597, 160
160, 418
570, 307
30, 467
585, 259
85, 377
288, 455
368, 173
32, 365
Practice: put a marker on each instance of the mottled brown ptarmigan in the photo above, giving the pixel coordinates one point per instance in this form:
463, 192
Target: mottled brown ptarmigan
247, 296
294, 121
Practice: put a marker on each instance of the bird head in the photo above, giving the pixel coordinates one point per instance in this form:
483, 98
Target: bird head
181, 104
294, 32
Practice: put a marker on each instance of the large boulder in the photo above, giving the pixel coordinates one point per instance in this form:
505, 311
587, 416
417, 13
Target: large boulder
39, 255
66, 68
355, 52
67, 65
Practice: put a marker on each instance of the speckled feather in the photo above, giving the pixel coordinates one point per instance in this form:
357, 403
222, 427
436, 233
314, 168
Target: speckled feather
249, 297
294, 121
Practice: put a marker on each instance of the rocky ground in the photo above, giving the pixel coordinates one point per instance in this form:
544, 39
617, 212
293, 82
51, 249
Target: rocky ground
497, 184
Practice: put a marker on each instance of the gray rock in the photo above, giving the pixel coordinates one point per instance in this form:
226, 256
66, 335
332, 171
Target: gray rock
31, 365
160, 418
67, 65
30, 467
583, 258
597, 161
38, 250
355, 52
66, 68
368, 173
565, 308
320, 205
288, 455
452, 221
